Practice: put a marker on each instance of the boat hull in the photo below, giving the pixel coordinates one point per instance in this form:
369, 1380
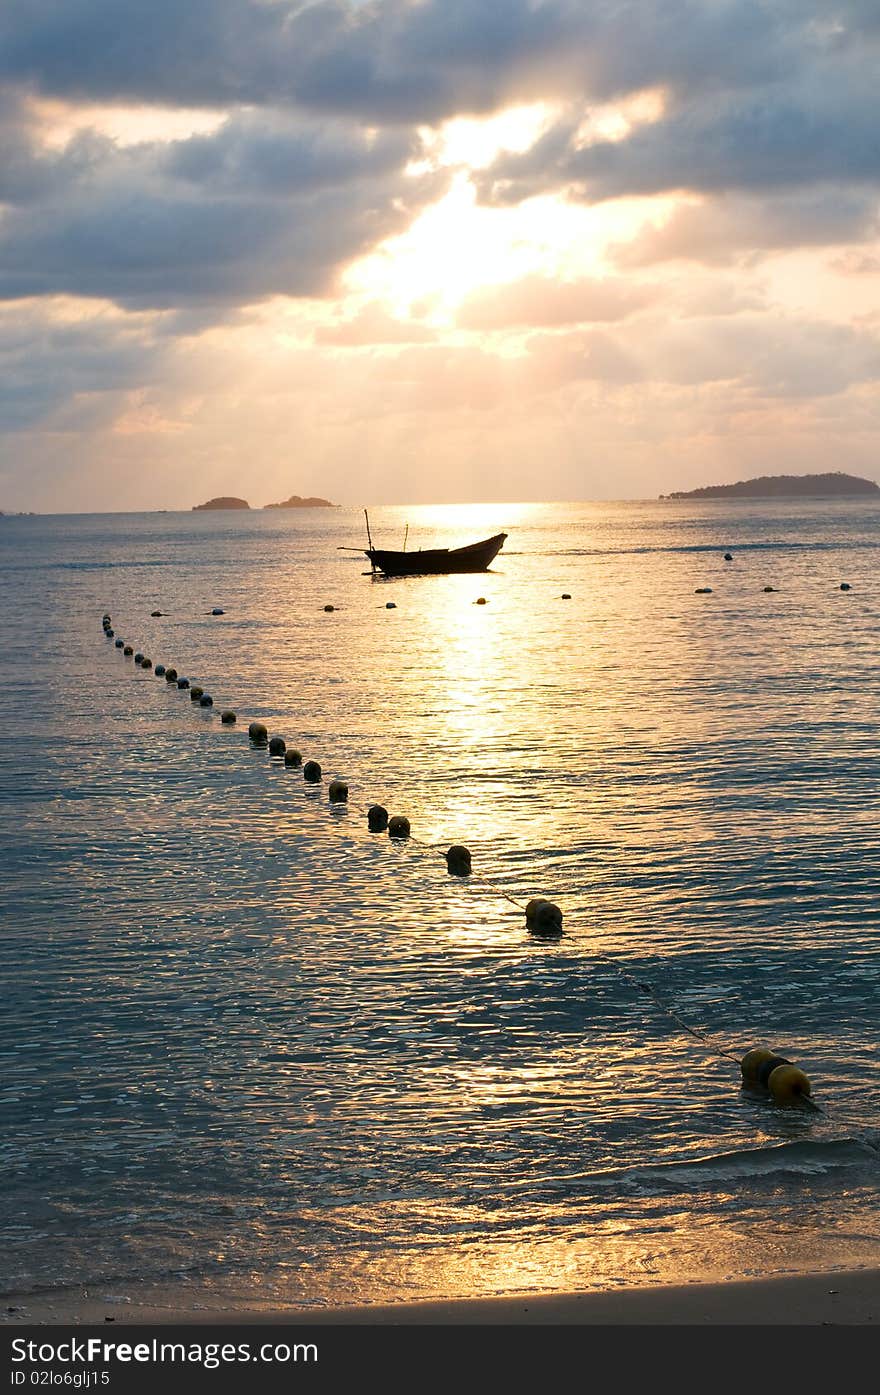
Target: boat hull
438, 561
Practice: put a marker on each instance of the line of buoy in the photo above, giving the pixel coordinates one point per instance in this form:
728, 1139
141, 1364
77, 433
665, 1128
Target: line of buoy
760, 1067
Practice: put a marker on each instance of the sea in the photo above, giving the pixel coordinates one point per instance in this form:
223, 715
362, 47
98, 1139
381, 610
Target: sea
255, 1052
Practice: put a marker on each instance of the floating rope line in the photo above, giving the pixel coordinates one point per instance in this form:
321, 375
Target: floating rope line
759, 1066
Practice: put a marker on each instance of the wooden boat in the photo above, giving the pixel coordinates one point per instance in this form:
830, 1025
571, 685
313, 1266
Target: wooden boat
437, 561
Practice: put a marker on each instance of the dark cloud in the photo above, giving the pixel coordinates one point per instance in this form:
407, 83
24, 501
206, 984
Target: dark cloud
263, 206
393, 60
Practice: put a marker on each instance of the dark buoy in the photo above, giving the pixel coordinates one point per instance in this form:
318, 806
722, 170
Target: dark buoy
183, 683
728, 556
752, 1062
218, 611
119, 643
543, 917
768, 589
481, 600
228, 717
258, 733
146, 663
566, 595
338, 792
277, 746
766, 1068
171, 675
206, 700
160, 670
128, 650
845, 586
391, 605
155, 613
106, 618
398, 826
195, 692
109, 633
377, 818
328, 608
292, 757
458, 860
312, 772
138, 658
703, 591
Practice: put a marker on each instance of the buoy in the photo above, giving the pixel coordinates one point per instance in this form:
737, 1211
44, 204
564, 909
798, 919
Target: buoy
120, 643
458, 860
106, 617
206, 700
766, 1069
391, 605
146, 663
183, 683
292, 757
328, 608
845, 586
228, 717
218, 611
481, 600
338, 792
543, 917
728, 556
109, 633
171, 675
788, 1084
377, 818
753, 1060
768, 589
703, 591
128, 650
160, 670
195, 692
258, 733
566, 595
155, 613
312, 772
138, 658
398, 826
277, 746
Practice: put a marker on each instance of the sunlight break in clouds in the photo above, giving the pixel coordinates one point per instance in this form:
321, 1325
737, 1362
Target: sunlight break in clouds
535, 248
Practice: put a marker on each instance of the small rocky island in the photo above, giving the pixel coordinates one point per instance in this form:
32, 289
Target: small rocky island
225, 501
829, 486
296, 501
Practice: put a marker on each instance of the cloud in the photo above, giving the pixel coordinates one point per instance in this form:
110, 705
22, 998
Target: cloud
541, 300
264, 206
372, 325
724, 229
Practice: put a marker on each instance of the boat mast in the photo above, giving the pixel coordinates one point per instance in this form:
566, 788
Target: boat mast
370, 540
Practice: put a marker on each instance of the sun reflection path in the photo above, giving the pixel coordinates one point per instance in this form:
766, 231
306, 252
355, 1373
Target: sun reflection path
476, 644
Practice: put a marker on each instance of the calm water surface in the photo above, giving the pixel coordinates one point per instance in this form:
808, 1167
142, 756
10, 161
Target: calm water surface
249, 1046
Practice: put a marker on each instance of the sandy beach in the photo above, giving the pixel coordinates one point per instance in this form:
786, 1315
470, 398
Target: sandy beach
849, 1297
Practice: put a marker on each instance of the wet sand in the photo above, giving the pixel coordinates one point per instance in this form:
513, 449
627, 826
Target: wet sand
834, 1298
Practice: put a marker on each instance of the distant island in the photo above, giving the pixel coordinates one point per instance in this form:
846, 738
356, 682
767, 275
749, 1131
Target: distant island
829, 486
226, 501
297, 502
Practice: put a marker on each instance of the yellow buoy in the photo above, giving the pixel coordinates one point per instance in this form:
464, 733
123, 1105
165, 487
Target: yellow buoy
171, 675
398, 826
788, 1085
128, 650
752, 1062
292, 757
338, 792
146, 663
228, 717
258, 733
195, 692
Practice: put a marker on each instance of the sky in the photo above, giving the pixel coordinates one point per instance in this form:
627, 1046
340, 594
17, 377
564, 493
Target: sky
434, 250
